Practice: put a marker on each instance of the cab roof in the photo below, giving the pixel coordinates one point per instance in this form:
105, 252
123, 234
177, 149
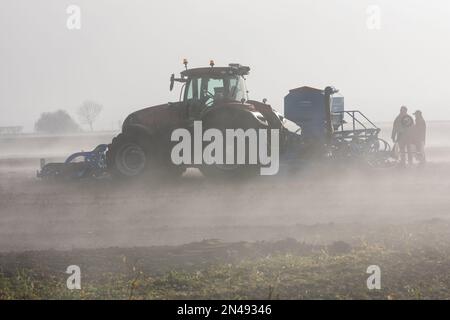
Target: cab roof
232, 69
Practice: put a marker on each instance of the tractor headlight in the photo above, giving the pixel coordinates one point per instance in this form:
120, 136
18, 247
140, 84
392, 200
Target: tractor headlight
292, 127
260, 117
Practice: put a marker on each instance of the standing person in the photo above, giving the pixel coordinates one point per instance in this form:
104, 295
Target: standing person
402, 134
420, 129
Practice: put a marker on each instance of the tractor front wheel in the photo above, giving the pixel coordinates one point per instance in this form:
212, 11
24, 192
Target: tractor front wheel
128, 157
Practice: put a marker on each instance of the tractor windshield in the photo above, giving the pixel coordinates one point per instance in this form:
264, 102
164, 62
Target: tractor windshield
211, 89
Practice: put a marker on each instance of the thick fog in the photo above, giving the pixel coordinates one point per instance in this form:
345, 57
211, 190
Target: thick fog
122, 57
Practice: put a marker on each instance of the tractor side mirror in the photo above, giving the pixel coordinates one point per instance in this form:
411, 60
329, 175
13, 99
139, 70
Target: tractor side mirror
172, 81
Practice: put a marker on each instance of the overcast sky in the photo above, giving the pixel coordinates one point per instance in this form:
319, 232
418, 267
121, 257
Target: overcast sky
125, 51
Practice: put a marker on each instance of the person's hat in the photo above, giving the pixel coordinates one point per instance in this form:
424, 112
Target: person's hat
417, 113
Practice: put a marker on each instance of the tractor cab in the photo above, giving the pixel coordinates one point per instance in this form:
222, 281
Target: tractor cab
207, 87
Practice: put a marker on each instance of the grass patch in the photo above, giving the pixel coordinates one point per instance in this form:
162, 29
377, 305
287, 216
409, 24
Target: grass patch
420, 273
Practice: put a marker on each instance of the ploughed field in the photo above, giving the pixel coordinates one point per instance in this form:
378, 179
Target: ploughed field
309, 232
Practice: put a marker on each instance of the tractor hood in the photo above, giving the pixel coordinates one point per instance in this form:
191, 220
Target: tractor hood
175, 115
170, 115
156, 117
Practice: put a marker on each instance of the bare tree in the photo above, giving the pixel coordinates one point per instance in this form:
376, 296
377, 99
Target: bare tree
88, 113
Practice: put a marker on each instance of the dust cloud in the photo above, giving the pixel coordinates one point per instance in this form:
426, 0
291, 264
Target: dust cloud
309, 202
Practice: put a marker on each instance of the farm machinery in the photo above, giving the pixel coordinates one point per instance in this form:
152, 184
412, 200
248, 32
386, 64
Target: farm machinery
339, 134
79, 165
315, 123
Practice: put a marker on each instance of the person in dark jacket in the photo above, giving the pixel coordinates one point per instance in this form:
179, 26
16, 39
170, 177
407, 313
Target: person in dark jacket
402, 134
420, 132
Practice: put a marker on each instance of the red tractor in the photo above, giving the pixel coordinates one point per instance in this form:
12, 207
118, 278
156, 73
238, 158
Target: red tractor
217, 96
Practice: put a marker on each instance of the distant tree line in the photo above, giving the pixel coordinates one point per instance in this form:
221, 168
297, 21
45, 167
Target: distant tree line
60, 121
56, 122
11, 130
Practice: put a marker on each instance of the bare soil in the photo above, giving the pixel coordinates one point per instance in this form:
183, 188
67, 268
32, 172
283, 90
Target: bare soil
96, 223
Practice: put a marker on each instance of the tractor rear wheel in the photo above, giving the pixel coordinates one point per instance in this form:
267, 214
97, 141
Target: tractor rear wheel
231, 120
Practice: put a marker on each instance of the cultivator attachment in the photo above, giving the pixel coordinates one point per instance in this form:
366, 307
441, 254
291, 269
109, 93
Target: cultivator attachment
77, 166
343, 135
358, 140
